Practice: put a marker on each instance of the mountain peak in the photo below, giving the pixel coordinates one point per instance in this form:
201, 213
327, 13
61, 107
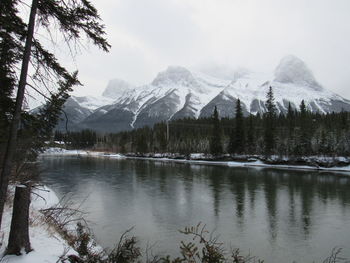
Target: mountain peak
176, 75
116, 88
292, 69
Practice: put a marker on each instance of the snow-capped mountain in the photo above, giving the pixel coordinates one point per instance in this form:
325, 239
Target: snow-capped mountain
76, 109
291, 81
174, 93
178, 93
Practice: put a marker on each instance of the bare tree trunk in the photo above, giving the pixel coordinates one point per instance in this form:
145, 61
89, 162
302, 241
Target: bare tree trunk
19, 233
12, 140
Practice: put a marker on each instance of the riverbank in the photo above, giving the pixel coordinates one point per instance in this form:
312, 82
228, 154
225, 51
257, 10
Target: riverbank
252, 162
56, 151
316, 163
47, 244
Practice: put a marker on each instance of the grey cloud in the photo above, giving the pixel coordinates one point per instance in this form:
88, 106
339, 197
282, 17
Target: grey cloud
147, 36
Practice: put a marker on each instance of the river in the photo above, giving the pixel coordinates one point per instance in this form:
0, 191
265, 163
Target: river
277, 215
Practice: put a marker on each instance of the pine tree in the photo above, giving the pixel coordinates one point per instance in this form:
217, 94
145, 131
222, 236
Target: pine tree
237, 138
35, 130
250, 135
302, 109
305, 132
269, 123
327, 133
12, 30
72, 17
215, 140
270, 104
290, 112
290, 127
15, 122
141, 141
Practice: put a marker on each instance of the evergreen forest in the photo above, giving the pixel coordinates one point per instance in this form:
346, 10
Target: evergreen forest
297, 133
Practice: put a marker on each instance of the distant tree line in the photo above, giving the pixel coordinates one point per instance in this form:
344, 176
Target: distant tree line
81, 140
299, 132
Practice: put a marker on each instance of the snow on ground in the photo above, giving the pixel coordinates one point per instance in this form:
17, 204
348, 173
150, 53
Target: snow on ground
47, 245
54, 151
61, 151
198, 158
259, 163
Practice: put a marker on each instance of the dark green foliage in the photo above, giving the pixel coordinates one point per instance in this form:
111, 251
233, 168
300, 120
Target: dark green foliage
12, 30
77, 140
237, 139
36, 129
23, 134
269, 123
328, 134
142, 142
302, 109
72, 18
215, 140
250, 135
296, 134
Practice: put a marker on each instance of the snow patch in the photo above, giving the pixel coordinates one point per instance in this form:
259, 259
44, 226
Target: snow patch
93, 102
55, 151
47, 245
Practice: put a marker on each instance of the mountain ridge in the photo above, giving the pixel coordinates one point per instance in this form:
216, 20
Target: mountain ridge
178, 93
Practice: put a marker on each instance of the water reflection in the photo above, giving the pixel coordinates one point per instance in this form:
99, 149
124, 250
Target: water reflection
279, 215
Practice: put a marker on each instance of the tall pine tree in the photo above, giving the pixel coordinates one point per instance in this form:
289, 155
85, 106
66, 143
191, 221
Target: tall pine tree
215, 140
290, 127
237, 138
305, 132
269, 123
72, 18
250, 147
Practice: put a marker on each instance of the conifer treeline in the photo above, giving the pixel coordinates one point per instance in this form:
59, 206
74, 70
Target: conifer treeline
78, 140
297, 133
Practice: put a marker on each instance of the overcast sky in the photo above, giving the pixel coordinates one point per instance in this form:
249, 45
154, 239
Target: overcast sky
148, 35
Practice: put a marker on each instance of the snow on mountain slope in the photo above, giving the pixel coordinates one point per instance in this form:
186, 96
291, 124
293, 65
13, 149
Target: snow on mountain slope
77, 109
255, 87
92, 103
291, 82
174, 93
178, 93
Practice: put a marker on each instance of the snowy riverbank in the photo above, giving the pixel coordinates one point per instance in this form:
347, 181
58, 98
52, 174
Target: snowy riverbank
46, 243
317, 163
253, 164
56, 151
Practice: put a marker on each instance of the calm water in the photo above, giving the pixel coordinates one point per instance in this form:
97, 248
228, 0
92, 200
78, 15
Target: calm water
278, 215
